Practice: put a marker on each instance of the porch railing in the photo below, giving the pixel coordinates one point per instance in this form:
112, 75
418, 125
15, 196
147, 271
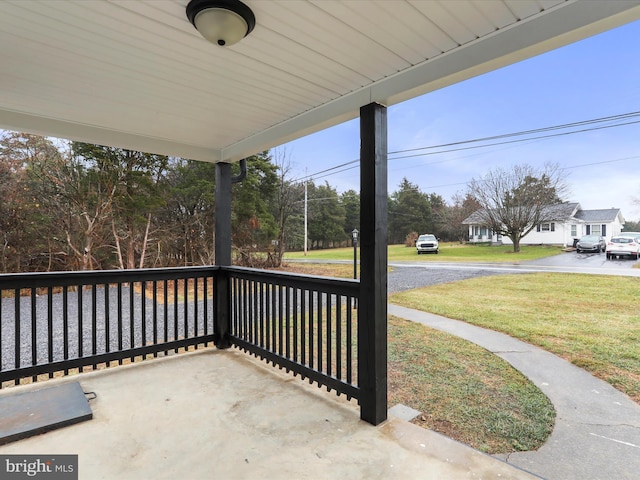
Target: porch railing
304, 324
54, 323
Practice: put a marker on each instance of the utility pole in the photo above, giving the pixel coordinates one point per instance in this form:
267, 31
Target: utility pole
305, 218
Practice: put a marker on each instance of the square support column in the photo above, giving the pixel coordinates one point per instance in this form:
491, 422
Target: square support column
372, 307
222, 292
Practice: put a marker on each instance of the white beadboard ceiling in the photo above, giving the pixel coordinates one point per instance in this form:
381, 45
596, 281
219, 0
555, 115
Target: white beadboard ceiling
136, 74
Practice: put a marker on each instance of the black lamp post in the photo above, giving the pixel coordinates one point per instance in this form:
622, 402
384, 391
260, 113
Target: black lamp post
354, 237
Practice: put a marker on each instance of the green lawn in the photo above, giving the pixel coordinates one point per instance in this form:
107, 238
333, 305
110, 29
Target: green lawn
592, 321
449, 252
464, 391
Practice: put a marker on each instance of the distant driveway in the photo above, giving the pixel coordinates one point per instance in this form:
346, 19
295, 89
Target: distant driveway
407, 275
584, 260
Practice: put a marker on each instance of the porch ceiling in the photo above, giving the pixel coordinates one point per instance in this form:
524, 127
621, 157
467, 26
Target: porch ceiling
137, 74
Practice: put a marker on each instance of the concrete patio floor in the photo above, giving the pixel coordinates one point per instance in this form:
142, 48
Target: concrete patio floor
226, 415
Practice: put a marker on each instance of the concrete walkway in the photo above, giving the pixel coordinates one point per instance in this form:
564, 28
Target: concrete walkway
597, 431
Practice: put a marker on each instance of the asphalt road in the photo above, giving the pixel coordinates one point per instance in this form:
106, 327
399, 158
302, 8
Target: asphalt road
407, 275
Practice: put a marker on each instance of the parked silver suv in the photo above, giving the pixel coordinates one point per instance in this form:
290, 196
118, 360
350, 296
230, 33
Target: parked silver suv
591, 243
427, 243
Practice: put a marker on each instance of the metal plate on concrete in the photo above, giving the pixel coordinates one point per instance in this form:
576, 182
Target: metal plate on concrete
32, 413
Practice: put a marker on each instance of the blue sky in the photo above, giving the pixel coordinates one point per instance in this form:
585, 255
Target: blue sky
597, 77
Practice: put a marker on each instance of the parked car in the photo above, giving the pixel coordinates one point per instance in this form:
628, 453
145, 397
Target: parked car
427, 243
591, 243
623, 246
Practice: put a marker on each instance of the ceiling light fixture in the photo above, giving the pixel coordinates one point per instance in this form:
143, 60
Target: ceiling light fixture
223, 22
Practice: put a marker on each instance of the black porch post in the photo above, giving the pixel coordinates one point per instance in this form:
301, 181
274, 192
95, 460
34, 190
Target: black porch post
222, 300
372, 313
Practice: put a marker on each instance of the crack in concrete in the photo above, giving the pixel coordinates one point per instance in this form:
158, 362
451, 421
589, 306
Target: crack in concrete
589, 424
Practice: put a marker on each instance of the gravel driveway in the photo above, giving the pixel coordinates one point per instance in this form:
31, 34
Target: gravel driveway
406, 278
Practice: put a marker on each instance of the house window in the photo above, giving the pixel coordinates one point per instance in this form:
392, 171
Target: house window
595, 230
483, 231
574, 230
547, 227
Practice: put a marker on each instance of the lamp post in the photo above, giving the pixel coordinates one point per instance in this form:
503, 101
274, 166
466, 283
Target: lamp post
354, 237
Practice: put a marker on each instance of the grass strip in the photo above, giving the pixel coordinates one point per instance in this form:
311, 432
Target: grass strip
464, 391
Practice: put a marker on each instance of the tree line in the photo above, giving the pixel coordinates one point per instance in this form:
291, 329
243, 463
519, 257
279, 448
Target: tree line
77, 206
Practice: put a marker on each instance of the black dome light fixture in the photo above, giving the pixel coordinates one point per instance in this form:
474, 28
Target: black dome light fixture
223, 22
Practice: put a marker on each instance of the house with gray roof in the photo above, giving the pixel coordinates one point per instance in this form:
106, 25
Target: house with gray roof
570, 222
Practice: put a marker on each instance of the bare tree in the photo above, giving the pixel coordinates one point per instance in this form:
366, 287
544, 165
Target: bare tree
285, 198
514, 201
84, 201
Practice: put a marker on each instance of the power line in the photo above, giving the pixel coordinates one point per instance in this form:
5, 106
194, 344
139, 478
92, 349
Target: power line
334, 170
529, 132
516, 141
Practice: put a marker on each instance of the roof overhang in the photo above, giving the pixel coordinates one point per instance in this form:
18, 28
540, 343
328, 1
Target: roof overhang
137, 75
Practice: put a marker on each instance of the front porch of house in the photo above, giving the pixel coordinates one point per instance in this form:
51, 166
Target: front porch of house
306, 325
224, 414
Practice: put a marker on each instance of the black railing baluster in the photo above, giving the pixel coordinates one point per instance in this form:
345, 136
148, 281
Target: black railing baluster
349, 345
175, 311
80, 324
94, 322
17, 331
34, 331
107, 320
280, 319
287, 325
154, 313
303, 329
205, 305
165, 303
65, 325
132, 317
329, 358
50, 326
120, 333
248, 306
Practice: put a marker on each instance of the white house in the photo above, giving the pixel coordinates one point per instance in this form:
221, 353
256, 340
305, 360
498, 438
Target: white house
570, 223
